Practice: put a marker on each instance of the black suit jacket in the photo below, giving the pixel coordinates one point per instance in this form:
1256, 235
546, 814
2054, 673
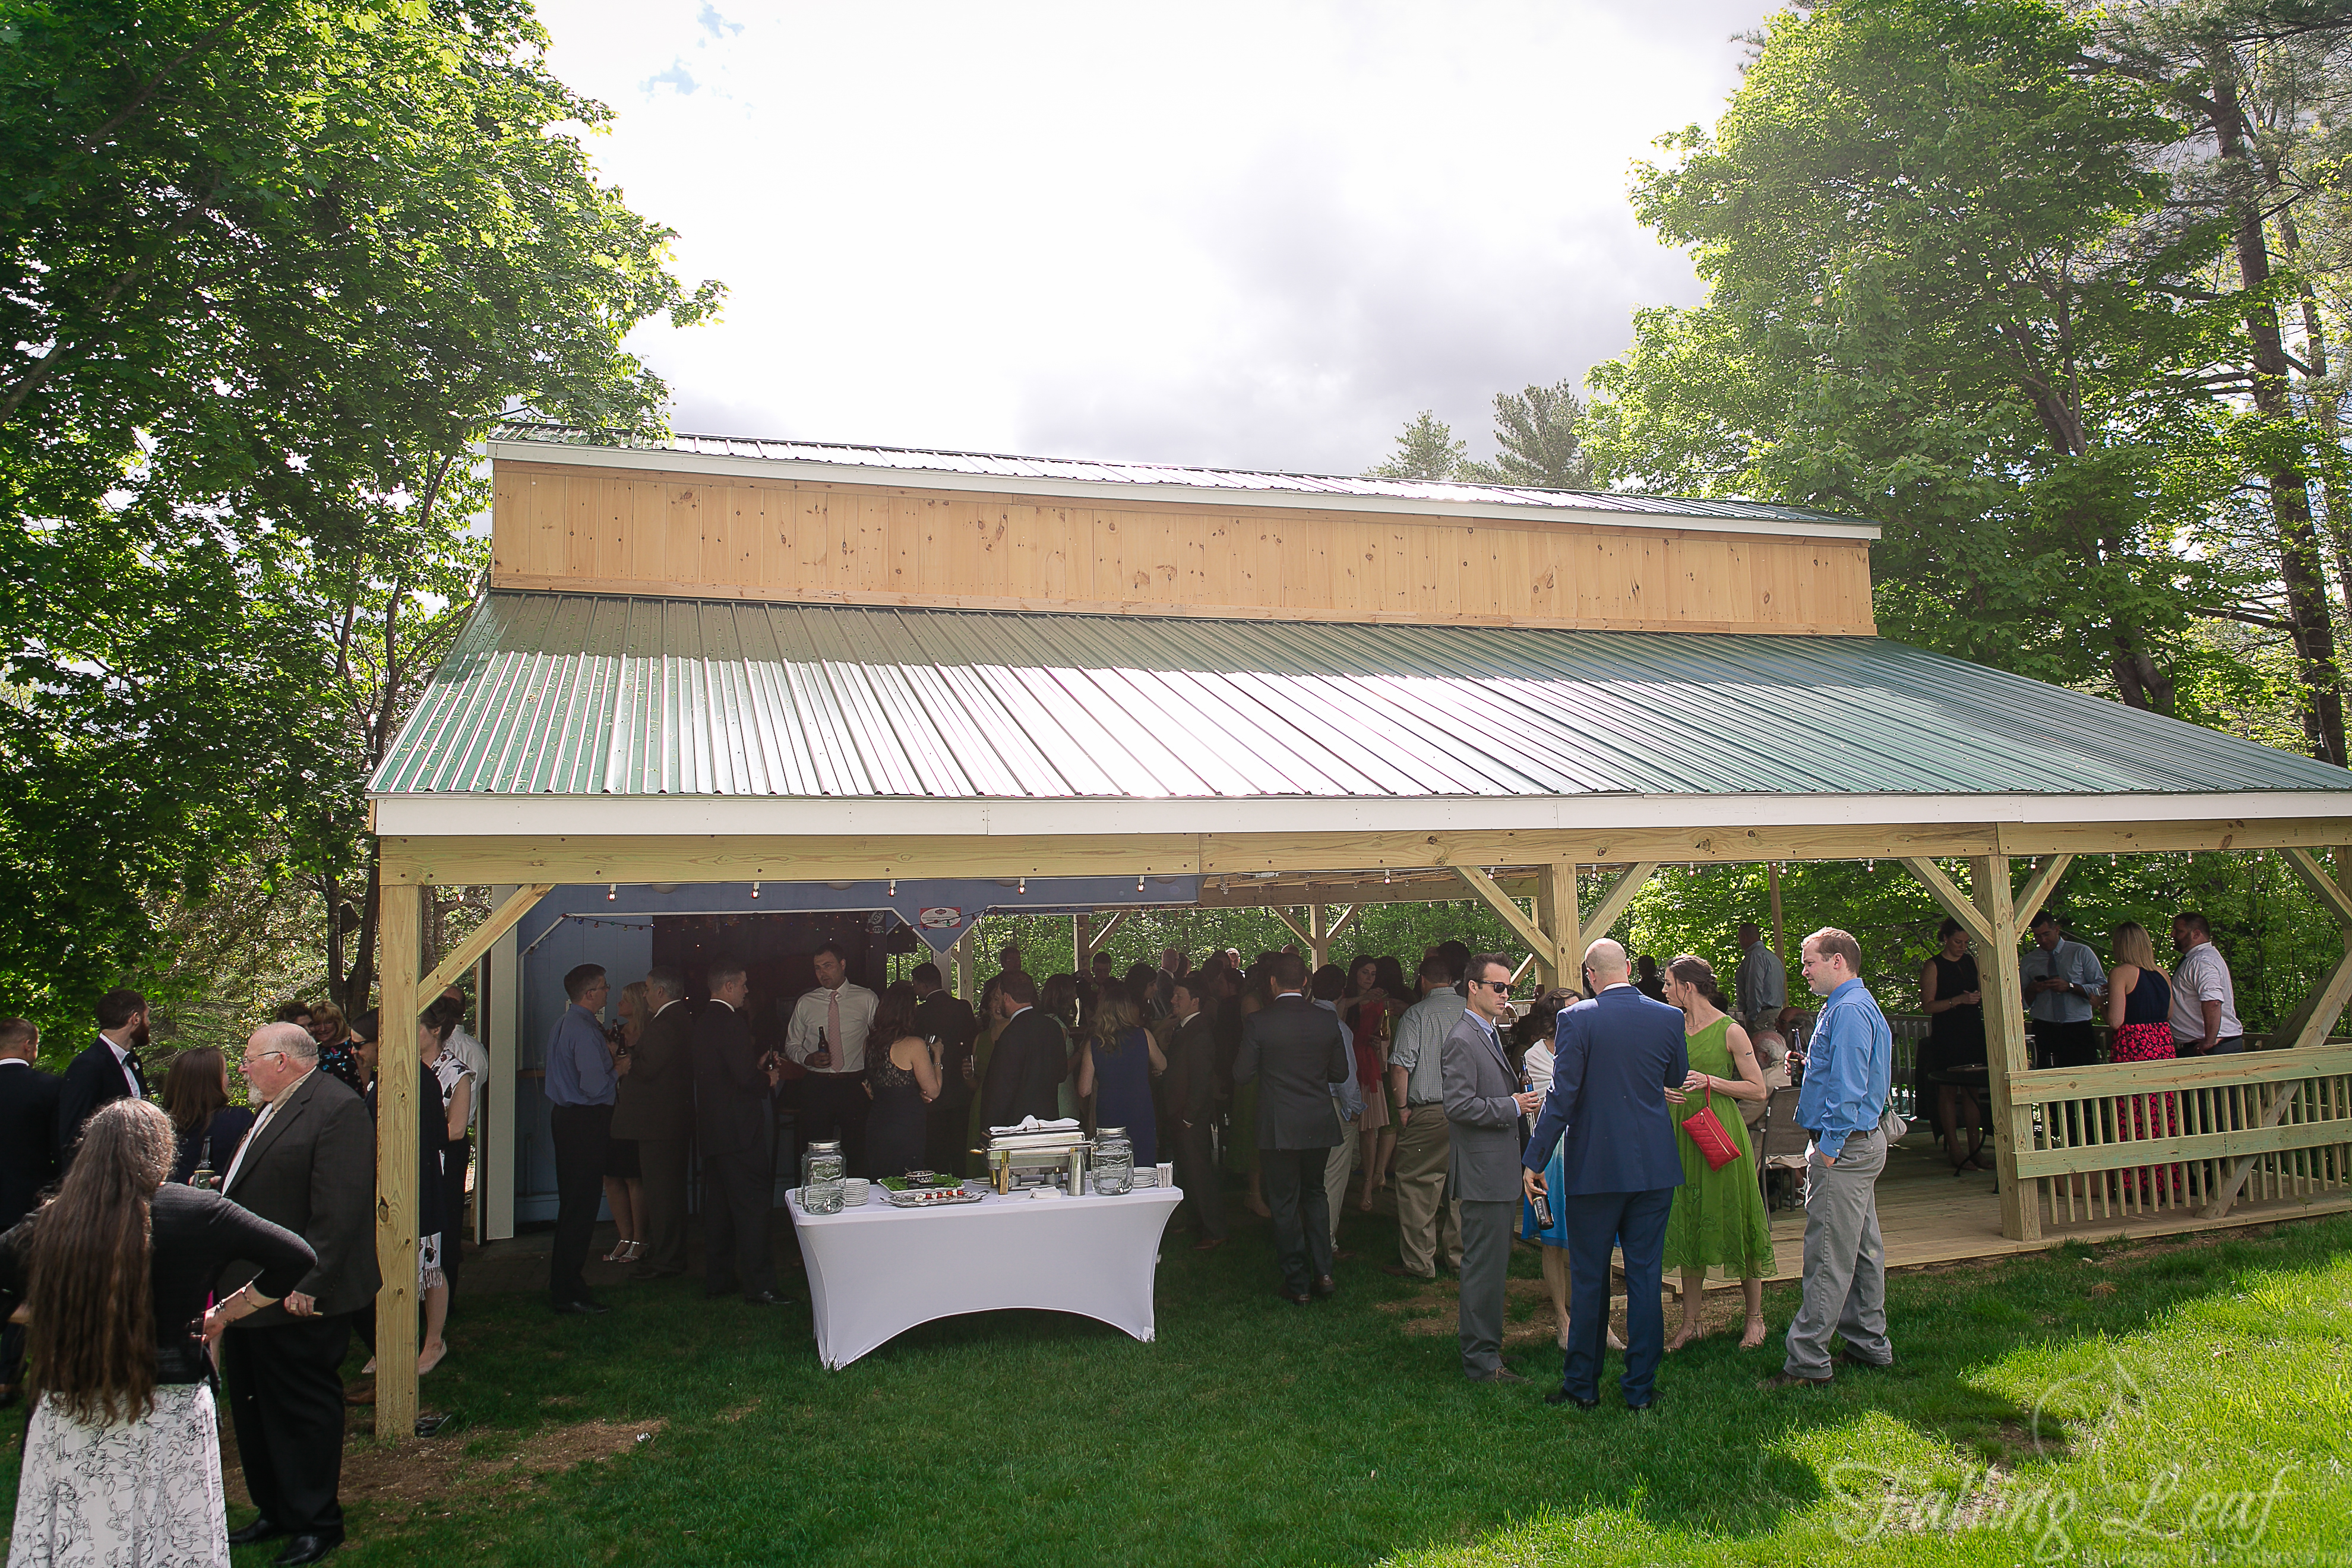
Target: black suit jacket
731, 1111
951, 1020
1190, 1084
1031, 1059
1293, 1049
657, 1099
312, 1169
94, 1078
29, 1138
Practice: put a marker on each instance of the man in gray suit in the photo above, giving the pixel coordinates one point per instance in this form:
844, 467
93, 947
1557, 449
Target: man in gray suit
1294, 1052
1484, 1102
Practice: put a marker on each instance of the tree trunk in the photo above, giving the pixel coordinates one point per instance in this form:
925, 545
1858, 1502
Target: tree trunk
362, 977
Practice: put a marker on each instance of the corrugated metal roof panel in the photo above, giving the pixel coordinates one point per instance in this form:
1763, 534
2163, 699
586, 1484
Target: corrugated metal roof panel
985, 465
586, 694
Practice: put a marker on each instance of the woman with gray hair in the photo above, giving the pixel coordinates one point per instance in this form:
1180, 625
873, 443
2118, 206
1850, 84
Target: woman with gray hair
121, 1463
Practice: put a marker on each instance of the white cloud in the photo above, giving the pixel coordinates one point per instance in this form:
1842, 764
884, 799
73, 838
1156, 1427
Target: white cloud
1251, 235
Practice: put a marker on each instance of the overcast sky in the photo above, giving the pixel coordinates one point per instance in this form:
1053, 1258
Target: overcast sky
1260, 235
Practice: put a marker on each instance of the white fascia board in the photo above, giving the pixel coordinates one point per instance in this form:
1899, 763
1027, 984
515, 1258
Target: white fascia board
1129, 490
535, 816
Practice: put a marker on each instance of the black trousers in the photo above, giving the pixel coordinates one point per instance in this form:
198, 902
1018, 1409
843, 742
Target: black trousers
834, 1106
737, 1196
454, 1209
285, 1390
662, 1161
2066, 1045
946, 1138
1203, 1183
582, 1134
1292, 1180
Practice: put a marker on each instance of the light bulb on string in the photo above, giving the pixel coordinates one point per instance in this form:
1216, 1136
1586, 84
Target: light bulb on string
1024, 886
755, 890
612, 891
1138, 881
894, 886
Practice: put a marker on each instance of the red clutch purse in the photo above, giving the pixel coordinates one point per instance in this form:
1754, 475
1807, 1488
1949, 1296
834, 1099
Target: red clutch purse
1707, 1133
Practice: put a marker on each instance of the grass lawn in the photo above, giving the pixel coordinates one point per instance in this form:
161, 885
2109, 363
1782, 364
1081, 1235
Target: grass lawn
2169, 1402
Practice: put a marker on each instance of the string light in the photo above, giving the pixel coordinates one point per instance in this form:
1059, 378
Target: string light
755, 890
612, 891
1138, 881
1385, 879
1024, 886
894, 886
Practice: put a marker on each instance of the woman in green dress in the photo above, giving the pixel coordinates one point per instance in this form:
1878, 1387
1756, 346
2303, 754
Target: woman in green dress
1718, 1216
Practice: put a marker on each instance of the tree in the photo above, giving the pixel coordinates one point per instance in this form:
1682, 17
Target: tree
1538, 440
1945, 291
269, 271
1427, 450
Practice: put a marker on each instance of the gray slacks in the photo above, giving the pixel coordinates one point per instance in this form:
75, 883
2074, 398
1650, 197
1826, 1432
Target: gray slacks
1486, 1232
1845, 1262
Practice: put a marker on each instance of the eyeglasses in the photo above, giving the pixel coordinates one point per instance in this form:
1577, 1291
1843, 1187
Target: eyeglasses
248, 1062
1501, 987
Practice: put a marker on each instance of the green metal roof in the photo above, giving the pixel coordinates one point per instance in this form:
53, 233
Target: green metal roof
577, 694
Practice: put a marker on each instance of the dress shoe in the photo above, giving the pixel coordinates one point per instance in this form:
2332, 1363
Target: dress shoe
583, 1308
1562, 1396
1850, 1359
1325, 1286
1209, 1244
307, 1548
647, 1272
1342, 1254
1401, 1272
1500, 1374
1649, 1404
262, 1529
1295, 1298
1791, 1380
765, 1298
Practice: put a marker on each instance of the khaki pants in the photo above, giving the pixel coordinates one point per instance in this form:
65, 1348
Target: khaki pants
1424, 1219
1339, 1168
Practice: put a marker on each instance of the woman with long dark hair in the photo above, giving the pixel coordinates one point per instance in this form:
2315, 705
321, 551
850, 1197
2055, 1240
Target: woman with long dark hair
121, 1463
209, 1129
1718, 1219
902, 1080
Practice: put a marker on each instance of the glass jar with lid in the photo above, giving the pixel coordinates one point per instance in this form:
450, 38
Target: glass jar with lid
821, 1174
822, 1151
1114, 1162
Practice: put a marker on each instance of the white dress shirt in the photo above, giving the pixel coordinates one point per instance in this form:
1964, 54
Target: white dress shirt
810, 1015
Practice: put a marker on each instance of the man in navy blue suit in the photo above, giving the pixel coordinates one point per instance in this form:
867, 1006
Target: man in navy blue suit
1615, 1055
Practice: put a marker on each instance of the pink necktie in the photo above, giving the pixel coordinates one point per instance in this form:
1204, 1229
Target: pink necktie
833, 1031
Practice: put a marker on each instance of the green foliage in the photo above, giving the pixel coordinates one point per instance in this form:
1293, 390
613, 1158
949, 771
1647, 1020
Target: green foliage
1538, 440
1425, 450
265, 273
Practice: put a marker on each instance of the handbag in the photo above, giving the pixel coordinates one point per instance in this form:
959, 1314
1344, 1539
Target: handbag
1707, 1131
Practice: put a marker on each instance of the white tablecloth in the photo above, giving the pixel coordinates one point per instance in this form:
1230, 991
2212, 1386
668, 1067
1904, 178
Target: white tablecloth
877, 1271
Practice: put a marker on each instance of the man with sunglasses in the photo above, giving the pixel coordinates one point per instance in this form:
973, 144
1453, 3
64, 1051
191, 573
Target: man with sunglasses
1485, 1098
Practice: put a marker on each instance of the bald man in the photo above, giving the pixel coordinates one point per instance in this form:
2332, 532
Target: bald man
1614, 1058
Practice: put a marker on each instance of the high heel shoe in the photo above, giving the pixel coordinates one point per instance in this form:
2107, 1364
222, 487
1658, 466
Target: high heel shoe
632, 1251
620, 1253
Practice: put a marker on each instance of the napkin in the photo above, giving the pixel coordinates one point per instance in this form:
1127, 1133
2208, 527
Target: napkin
1032, 1125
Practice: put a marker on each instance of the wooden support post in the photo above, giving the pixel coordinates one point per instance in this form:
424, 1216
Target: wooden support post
963, 965
1082, 945
1347, 918
1318, 941
1503, 904
396, 1173
2005, 1054
2039, 887
1297, 931
483, 937
2317, 1014
1613, 904
1556, 913
1772, 880
1957, 903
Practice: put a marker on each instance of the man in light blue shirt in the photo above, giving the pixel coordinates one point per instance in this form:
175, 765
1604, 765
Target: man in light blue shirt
579, 1087
1847, 1067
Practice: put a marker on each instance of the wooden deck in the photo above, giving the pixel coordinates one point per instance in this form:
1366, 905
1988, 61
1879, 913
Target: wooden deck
1926, 1214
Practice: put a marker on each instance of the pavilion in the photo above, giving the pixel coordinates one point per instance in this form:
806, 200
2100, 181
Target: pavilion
716, 678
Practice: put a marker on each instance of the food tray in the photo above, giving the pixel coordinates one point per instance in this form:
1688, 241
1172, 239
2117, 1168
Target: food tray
929, 1197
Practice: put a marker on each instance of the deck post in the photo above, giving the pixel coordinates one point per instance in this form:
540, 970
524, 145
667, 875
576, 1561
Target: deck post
963, 965
2005, 1056
1556, 911
1318, 939
1772, 881
396, 1175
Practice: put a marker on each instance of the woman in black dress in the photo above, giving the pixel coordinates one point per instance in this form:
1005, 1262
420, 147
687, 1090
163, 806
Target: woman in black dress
195, 1097
902, 1080
1949, 994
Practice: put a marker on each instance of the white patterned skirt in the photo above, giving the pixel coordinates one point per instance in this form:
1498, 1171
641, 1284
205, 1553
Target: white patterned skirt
141, 1494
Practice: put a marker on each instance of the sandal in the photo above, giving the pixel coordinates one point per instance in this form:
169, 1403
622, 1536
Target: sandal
635, 1250
620, 1253
1755, 1334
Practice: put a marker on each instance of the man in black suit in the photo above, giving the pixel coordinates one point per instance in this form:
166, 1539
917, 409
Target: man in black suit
28, 1156
654, 1104
1190, 1088
1293, 1051
107, 1070
732, 1120
950, 1021
1030, 1061
309, 1165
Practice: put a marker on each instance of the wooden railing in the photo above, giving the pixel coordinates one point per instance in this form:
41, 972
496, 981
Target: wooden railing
2132, 1139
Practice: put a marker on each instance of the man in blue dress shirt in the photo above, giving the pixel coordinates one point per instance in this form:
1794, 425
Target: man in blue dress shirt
1844, 1094
1615, 1057
579, 1087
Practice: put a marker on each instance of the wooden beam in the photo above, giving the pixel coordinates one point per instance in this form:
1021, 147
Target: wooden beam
2038, 889
1520, 973
1318, 951
470, 952
1347, 918
1295, 929
397, 1178
1613, 904
1102, 933
2180, 1075
964, 966
1082, 945
1503, 904
1956, 903
2003, 986
1556, 913
1772, 880
2228, 1191
2323, 885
